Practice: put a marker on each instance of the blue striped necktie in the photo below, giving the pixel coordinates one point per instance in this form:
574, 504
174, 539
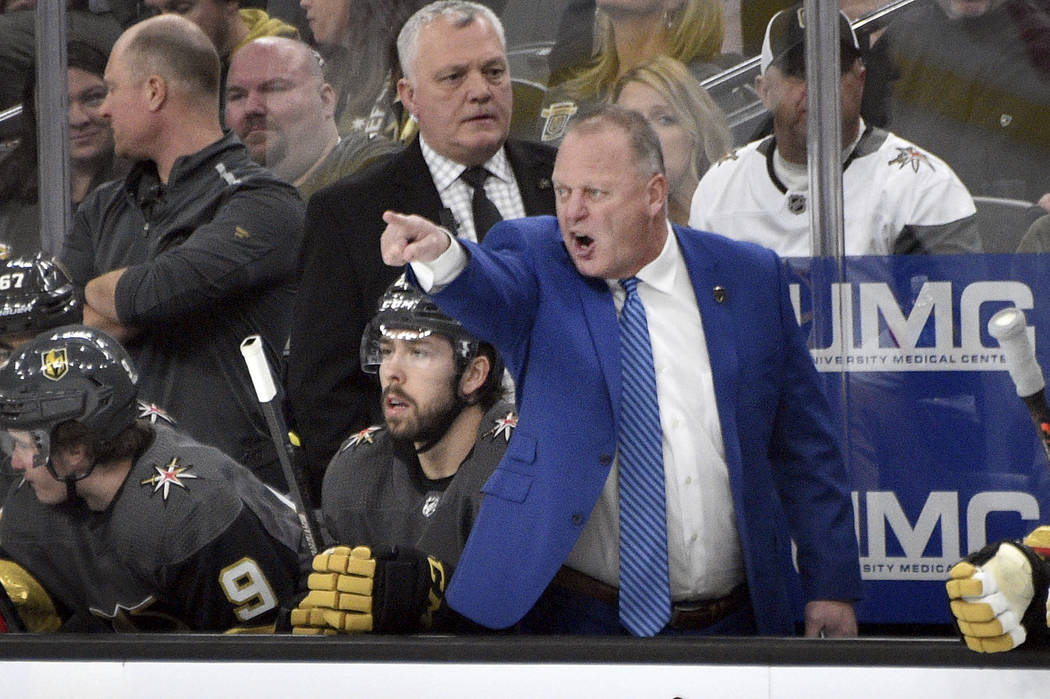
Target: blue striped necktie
645, 595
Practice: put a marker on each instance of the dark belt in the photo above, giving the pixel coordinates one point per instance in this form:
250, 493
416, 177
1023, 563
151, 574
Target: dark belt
685, 615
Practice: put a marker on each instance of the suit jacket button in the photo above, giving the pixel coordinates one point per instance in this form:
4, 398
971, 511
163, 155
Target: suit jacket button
577, 518
605, 459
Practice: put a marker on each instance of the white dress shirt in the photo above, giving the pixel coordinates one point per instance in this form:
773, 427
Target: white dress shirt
501, 188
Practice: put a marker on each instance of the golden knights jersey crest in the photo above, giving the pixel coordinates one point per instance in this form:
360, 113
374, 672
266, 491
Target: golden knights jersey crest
364, 436
54, 363
503, 426
910, 156
172, 474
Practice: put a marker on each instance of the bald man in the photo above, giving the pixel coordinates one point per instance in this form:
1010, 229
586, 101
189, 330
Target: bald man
278, 103
195, 249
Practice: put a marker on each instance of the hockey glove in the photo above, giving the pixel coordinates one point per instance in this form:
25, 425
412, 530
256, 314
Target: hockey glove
382, 589
998, 596
24, 604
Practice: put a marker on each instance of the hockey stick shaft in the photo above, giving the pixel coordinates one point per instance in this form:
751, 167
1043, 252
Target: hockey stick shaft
1008, 326
266, 392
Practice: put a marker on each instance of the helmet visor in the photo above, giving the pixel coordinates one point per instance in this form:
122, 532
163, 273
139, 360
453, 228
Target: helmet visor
21, 450
377, 339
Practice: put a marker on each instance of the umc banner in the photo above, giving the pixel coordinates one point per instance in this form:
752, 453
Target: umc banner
942, 454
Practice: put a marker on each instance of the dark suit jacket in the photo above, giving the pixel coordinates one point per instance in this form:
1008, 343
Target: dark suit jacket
343, 277
559, 335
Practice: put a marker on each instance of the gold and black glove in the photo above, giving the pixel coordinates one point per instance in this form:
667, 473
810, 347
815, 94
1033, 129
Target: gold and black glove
998, 595
386, 589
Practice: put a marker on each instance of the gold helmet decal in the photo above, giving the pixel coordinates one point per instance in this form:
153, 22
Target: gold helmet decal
54, 363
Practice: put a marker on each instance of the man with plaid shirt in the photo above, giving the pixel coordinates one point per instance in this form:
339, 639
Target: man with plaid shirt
457, 87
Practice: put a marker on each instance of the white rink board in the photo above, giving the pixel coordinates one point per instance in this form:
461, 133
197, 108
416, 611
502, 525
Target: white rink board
258, 680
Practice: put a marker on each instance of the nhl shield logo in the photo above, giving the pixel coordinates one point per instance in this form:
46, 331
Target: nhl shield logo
54, 363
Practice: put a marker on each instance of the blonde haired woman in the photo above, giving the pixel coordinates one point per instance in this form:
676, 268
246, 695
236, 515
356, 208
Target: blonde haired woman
692, 129
629, 32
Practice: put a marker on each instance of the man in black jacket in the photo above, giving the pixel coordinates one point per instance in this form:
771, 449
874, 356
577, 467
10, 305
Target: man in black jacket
458, 89
194, 250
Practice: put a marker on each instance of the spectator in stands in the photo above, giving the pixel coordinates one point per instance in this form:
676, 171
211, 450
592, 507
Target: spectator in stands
280, 106
195, 249
896, 197
413, 482
692, 129
457, 86
357, 39
18, 48
1037, 237
228, 26
91, 160
629, 33
972, 84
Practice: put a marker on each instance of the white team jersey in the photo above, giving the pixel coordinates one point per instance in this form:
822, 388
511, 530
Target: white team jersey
896, 198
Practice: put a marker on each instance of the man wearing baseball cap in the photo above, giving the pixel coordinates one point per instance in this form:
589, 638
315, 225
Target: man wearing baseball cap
897, 198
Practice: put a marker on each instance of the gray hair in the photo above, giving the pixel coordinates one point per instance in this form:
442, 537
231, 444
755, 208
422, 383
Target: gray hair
459, 13
643, 141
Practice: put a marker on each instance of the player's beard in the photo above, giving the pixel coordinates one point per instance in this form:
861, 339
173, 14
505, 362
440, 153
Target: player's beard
428, 424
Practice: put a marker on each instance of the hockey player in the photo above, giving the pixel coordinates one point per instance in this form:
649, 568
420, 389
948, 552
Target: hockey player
897, 198
35, 295
999, 596
156, 531
412, 485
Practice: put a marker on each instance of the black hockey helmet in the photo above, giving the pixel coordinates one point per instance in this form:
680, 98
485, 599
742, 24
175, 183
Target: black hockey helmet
35, 295
71, 373
406, 313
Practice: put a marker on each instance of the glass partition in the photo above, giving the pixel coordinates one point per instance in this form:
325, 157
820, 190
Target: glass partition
942, 453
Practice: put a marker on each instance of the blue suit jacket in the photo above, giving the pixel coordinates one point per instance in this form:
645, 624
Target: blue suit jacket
558, 333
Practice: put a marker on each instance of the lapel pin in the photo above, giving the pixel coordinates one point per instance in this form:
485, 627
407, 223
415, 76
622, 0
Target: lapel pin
720, 294
543, 183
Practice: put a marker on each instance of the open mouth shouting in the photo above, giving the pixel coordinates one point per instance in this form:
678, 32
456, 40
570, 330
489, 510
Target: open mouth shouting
581, 244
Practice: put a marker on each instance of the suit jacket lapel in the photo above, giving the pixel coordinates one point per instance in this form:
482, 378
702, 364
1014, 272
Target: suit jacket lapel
599, 312
415, 191
534, 179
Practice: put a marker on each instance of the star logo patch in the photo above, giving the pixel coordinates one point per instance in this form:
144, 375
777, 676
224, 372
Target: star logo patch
169, 475
504, 426
362, 437
153, 412
728, 157
910, 156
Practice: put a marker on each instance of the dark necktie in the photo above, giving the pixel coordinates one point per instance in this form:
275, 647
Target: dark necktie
485, 213
645, 594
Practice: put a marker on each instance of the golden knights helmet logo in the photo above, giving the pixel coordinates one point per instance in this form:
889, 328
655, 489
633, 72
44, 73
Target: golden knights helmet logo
54, 363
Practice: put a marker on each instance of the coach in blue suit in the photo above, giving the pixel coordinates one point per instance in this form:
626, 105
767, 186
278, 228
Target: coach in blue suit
767, 459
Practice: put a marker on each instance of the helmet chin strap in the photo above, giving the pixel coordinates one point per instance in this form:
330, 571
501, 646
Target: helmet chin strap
71, 491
